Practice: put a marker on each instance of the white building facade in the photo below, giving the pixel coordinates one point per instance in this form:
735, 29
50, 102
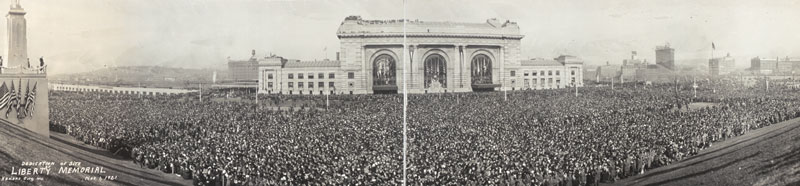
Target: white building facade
444, 57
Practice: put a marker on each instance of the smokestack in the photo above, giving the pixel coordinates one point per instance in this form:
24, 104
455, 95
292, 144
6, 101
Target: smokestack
337, 56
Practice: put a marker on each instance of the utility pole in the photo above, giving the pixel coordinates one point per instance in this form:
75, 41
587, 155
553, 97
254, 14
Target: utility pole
505, 89
576, 88
201, 91
405, 95
694, 86
505, 93
676, 87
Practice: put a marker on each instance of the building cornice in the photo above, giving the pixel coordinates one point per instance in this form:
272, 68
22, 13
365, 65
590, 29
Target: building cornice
443, 35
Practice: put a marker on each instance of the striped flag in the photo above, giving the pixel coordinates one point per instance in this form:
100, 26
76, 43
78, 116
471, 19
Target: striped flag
20, 100
23, 100
5, 94
29, 108
12, 100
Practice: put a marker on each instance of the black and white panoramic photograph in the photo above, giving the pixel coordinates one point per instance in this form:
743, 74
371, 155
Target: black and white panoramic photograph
400, 92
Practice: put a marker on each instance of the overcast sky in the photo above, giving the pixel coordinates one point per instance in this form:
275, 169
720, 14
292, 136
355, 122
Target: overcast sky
81, 35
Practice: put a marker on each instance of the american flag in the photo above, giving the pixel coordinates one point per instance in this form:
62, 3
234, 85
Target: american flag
23, 100
31, 100
5, 94
19, 98
12, 100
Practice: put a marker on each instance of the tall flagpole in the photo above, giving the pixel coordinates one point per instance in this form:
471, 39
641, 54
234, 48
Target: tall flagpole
405, 95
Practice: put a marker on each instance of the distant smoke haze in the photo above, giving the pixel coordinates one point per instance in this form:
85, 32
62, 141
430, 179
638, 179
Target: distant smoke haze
82, 35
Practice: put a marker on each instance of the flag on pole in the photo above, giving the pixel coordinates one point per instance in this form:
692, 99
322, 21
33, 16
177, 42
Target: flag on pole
24, 100
29, 108
12, 99
713, 46
5, 96
20, 97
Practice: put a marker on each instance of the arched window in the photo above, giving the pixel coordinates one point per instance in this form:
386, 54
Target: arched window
435, 71
481, 69
383, 70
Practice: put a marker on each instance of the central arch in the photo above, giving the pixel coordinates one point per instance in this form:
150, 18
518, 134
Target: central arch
383, 73
481, 70
435, 71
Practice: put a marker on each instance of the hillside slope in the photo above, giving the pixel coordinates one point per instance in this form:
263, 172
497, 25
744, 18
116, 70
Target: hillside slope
767, 156
18, 145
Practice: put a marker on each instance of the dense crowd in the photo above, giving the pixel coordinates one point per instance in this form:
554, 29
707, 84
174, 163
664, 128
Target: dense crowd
541, 137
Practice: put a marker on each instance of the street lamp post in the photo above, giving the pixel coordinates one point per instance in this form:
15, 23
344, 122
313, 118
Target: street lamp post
576, 88
694, 86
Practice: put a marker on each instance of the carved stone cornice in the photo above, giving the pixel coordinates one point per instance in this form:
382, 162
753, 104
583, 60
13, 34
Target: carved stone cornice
442, 35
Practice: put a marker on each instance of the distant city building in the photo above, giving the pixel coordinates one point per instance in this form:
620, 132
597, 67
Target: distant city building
638, 70
299, 77
244, 70
775, 65
665, 56
634, 61
540, 73
721, 66
589, 73
607, 72
656, 73
444, 56
118, 90
631, 66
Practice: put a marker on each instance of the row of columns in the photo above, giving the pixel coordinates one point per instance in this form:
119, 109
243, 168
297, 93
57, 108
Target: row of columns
97, 89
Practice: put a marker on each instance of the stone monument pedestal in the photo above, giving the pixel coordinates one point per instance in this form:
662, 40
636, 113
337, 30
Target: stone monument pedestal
36, 116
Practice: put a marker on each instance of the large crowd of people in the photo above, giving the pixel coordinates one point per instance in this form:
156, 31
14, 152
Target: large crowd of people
539, 137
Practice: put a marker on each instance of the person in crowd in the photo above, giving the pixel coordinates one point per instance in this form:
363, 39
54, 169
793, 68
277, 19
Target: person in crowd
539, 137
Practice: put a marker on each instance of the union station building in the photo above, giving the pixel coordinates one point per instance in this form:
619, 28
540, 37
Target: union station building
444, 57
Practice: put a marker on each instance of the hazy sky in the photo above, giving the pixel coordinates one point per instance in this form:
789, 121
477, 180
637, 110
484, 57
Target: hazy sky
81, 35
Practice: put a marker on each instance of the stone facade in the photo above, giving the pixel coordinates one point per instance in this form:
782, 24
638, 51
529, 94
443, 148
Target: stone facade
442, 57
775, 65
536, 74
23, 81
17, 38
721, 66
118, 90
665, 56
